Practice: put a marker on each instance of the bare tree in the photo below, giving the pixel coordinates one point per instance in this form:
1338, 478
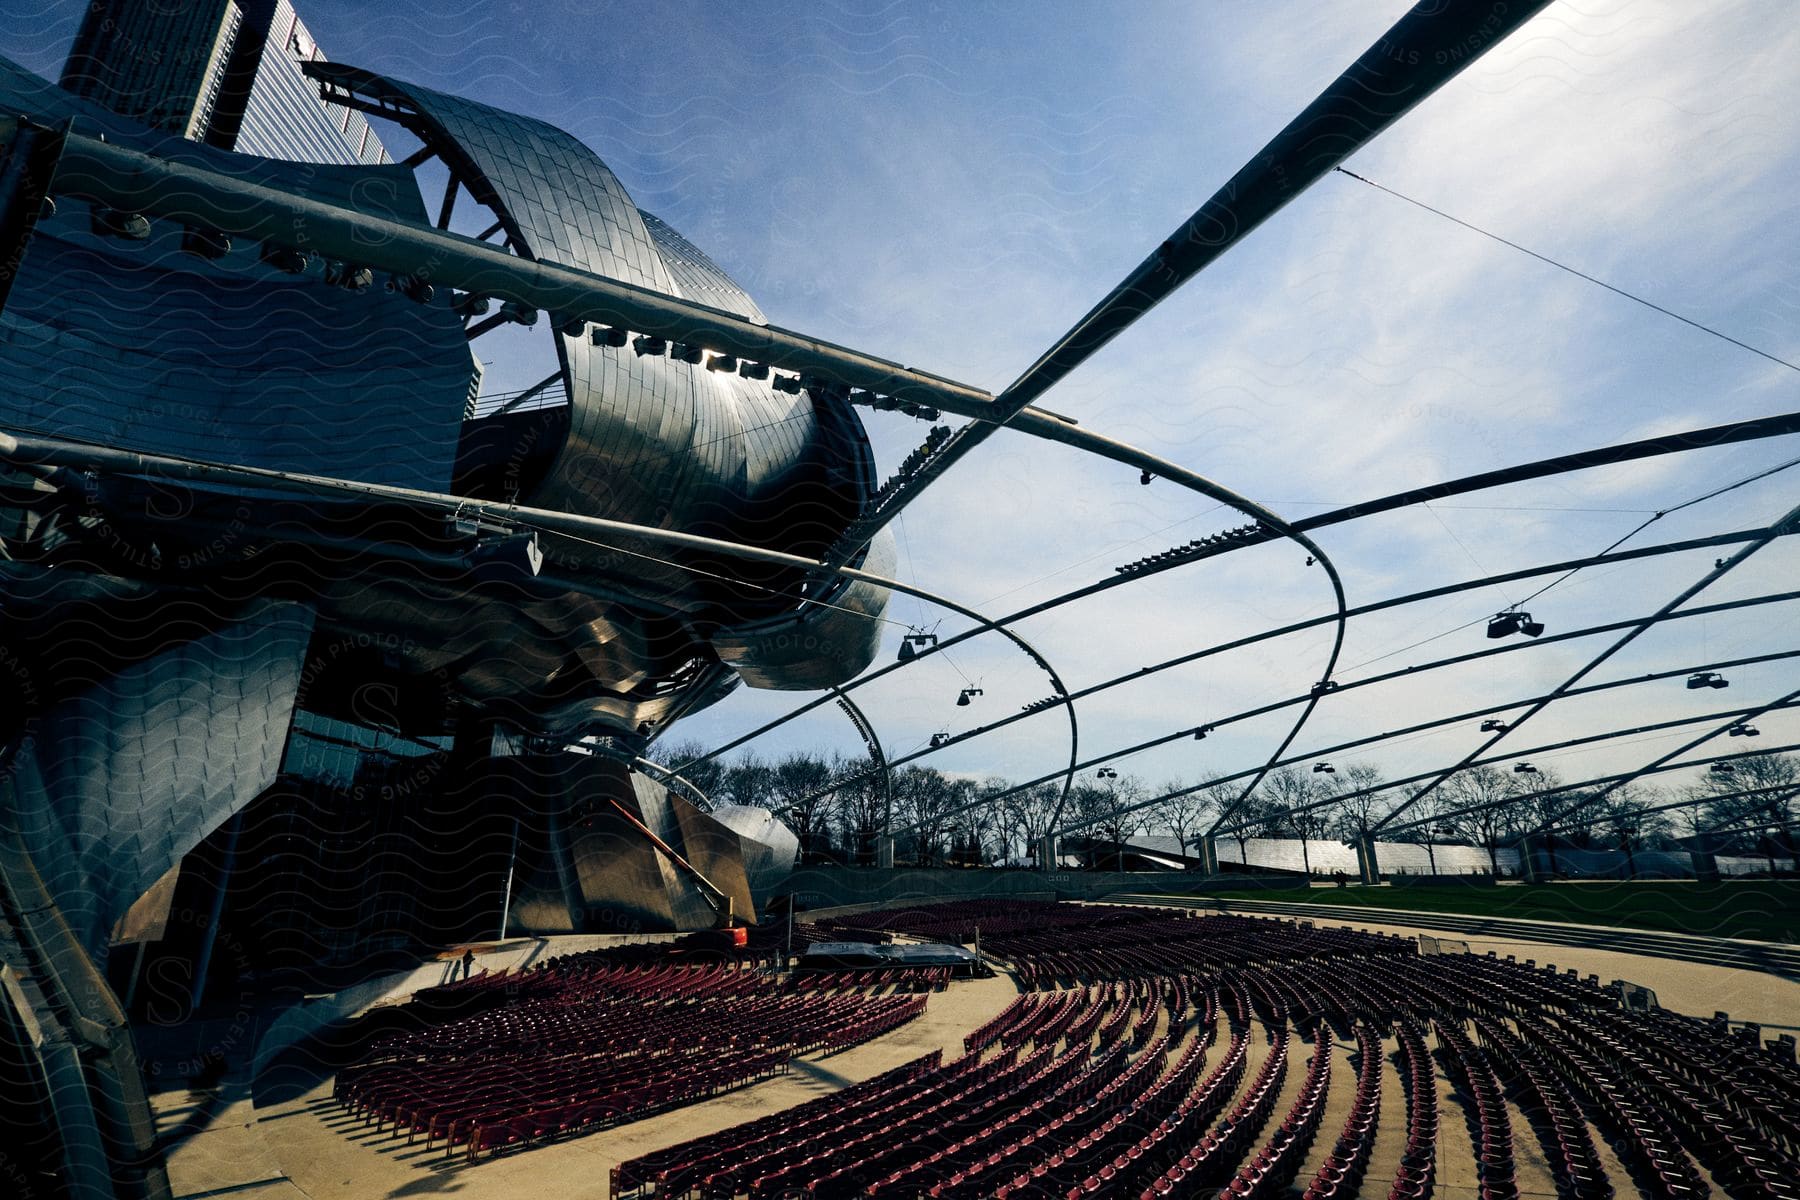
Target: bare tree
860, 809
794, 790
921, 798
749, 780
1181, 814
1495, 801
1025, 815
1760, 791
707, 777
1624, 814
1247, 820
1355, 815
1294, 793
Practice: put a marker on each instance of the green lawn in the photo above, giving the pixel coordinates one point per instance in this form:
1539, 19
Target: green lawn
1765, 910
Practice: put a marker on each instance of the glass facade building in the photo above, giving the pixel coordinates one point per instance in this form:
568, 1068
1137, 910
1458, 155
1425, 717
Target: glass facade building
224, 72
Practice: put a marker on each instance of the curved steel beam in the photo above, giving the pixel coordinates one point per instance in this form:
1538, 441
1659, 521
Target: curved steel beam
1415, 597
1057, 429
1423, 50
1514, 799
1422, 727
1112, 756
1787, 524
1589, 801
28, 448
1601, 779
1388, 785
877, 758
662, 774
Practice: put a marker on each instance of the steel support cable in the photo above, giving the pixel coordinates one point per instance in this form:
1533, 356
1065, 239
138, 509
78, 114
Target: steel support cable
1405, 731
121, 177
1427, 47
1697, 439
1562, 266
1544, 749
1352, 744
1237, 644
1423, 50
1786, 524
1504, 801
1589, 801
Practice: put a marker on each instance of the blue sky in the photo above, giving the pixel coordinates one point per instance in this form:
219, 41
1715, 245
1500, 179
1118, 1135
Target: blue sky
951, 185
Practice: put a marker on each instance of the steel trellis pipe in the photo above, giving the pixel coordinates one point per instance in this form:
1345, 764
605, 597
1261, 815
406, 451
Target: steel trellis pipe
1785, 525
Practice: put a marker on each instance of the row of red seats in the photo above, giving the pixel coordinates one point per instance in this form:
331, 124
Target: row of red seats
1210, 1163
1342, 1172
665, 1168
814, 1164
946, 1171
1663, 1168
1546, 1101
1276, 1164
1491, 1129
731, 1175
1074, 1147
902, 1169
1708, 1129
1418, 1161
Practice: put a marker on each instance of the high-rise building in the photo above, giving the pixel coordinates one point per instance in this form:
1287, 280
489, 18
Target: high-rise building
224, 72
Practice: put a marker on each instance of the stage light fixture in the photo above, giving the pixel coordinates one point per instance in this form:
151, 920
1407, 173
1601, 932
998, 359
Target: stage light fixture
1706, 679
111, 222
287, 260
1494, 725
209, 244
967, 694
348, 276
507, 557
912, 643
1324, 768
1505, 624
1524, 768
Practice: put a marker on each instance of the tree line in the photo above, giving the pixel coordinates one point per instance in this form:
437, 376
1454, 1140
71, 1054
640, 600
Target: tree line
838, 808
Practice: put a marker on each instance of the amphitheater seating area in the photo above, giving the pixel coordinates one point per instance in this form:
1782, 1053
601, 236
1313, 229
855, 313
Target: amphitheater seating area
1159, 1053
595, 1039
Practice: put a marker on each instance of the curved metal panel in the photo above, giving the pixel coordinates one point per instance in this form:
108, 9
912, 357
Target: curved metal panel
651, 439
143, 346
823, 644
698, 276
130, 774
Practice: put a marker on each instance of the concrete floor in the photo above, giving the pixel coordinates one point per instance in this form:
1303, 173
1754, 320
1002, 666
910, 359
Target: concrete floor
307, 1147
